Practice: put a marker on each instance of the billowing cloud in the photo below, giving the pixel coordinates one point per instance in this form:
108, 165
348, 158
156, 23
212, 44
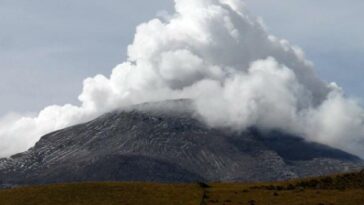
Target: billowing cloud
215, 53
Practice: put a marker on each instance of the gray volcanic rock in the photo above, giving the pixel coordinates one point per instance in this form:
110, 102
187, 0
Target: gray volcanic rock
165, 142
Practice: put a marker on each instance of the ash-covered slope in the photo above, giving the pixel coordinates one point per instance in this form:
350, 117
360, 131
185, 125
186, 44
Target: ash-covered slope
162, 142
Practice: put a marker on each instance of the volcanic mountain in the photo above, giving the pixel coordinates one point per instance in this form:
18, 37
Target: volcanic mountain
167, 142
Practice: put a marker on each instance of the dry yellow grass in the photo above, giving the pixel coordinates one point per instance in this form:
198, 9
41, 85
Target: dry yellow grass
243, 195
104, 194
335, 190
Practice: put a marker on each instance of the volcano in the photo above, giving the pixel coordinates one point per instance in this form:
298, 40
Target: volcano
167, 142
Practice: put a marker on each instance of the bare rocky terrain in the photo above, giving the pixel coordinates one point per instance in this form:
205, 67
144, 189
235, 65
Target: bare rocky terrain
166, 142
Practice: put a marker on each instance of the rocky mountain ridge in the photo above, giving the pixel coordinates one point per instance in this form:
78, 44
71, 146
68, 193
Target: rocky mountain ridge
165, 142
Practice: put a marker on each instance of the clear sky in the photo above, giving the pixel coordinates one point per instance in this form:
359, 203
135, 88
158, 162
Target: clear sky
48, 47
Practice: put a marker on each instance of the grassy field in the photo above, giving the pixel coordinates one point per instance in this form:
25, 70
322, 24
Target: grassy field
345, 189
237, 195
104, 193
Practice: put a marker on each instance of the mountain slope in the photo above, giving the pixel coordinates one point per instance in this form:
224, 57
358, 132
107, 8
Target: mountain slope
165, 142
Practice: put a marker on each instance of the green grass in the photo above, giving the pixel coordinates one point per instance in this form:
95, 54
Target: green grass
345, 189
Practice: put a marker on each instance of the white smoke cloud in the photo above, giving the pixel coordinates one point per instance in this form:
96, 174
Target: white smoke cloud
216, 53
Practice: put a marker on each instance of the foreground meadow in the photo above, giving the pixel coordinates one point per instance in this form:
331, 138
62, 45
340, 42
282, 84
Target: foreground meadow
345, 189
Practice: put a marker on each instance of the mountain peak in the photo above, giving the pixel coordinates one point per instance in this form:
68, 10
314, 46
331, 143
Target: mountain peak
165, 142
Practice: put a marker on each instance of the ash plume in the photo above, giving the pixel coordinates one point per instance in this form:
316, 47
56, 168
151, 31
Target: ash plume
219, 56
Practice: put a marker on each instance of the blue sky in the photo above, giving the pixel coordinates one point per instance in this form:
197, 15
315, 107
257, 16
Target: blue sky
48, 47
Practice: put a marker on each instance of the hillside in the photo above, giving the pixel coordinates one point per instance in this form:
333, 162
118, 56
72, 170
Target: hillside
166, 142
345, 189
